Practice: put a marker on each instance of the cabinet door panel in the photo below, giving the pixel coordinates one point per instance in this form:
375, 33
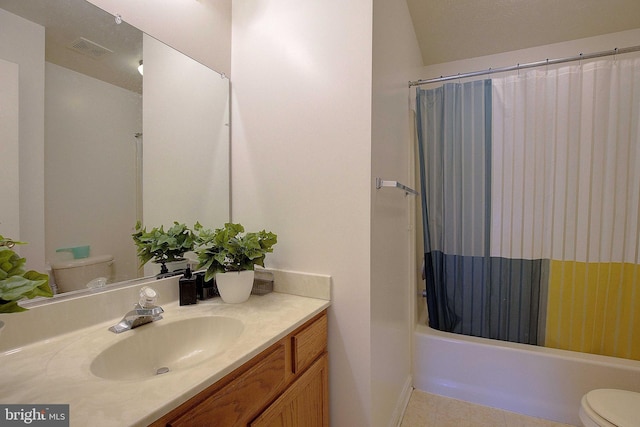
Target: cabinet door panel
304, 403
309, 343
240, 400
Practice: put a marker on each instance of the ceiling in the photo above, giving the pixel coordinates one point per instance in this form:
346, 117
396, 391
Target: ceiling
67, 21
449, 30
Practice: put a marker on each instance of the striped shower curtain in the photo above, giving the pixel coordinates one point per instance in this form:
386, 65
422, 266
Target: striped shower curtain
531, 192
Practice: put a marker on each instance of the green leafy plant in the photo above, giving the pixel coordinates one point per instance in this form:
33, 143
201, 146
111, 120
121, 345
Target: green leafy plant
15, 282
226, 249
163, 246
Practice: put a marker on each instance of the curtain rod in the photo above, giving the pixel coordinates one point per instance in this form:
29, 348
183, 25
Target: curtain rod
579, 57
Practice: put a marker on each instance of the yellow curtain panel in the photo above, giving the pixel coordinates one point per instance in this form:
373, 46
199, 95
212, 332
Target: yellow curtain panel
594, 308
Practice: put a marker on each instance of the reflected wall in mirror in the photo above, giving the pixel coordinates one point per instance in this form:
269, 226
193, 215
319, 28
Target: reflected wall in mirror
86, 160
186, 165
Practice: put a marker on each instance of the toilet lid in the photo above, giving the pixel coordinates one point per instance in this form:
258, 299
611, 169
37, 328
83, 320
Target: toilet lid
619, 407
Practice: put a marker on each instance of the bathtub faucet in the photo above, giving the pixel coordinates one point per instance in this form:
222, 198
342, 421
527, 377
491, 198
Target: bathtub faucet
144, 311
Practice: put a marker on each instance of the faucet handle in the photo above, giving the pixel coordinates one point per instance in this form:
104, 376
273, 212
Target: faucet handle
148, 297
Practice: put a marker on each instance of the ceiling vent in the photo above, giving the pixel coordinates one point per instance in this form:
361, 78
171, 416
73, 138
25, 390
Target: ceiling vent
89, 48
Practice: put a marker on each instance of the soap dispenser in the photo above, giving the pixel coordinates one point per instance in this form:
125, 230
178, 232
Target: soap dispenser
188, 289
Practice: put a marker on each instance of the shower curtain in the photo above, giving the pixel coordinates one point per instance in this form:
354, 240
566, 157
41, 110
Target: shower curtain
531, 189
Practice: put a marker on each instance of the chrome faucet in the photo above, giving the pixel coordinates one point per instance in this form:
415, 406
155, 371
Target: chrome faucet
144, 311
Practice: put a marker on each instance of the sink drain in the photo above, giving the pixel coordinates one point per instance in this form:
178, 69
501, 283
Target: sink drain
162, 370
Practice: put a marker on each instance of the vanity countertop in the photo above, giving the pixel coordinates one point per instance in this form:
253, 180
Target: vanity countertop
57, 371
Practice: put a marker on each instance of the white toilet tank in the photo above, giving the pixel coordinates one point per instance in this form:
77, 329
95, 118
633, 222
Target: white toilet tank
75, 274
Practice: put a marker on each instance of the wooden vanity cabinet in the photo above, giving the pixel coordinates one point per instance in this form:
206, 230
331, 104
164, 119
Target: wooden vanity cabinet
285, 385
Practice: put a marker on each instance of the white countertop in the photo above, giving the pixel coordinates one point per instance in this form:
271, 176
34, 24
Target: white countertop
56, 371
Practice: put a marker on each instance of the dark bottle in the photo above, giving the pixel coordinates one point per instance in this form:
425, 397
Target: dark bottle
207, 289
188, 288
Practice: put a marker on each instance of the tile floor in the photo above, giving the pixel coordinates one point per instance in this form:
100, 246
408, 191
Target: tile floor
430, 410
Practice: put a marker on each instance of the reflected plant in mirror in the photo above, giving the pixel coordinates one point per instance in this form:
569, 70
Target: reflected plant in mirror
163, 246
16, 283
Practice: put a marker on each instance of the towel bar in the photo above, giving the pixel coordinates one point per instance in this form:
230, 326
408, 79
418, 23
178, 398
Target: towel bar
382, 183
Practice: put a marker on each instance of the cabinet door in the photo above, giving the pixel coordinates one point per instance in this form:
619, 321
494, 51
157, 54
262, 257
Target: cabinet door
309, 343
235, 404
304, 403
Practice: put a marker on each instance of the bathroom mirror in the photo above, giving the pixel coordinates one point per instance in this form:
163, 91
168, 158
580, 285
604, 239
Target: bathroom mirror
100, 145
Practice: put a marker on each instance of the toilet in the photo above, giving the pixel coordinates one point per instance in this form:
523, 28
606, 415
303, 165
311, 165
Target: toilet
76, 274
610, 408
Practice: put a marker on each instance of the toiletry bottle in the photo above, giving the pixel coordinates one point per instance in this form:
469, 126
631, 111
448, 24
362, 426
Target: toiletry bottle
208, 289
188, 291
200, 284
205, 289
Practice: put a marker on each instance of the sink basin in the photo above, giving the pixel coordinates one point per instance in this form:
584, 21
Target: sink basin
158, 348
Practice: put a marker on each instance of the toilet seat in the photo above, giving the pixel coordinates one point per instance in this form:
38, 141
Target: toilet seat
610, 408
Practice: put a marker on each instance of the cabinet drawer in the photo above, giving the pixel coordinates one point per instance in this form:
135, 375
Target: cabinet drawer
308, 343
237, 402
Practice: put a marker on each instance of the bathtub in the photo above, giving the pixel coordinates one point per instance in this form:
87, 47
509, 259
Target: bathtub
531, 380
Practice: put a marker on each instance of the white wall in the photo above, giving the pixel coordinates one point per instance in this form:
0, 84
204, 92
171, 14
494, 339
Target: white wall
396, 58
90, 173
301, 163
23, 43
200, 29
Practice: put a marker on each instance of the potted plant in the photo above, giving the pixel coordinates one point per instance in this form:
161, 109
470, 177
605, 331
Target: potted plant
163, 246
230, 257
15, 282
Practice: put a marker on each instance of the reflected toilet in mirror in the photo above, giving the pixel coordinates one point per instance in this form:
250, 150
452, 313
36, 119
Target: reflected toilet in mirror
76, 274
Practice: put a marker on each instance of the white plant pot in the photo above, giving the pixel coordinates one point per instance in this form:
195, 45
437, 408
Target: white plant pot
235, 286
